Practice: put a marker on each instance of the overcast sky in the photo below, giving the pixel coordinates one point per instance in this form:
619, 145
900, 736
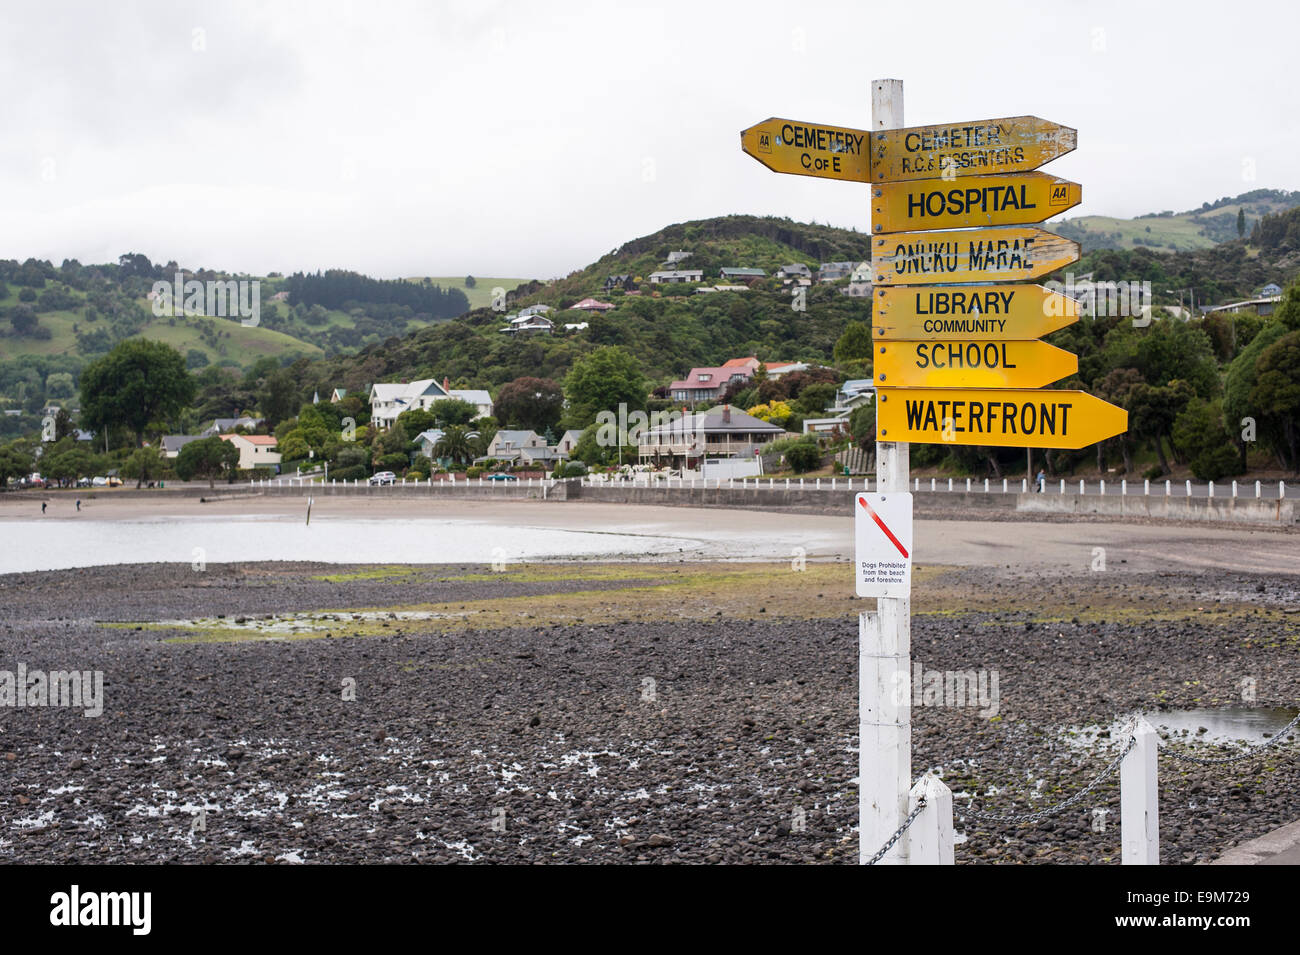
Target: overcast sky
528, 139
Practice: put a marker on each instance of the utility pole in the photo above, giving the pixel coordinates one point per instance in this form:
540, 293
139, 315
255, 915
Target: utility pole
885, 639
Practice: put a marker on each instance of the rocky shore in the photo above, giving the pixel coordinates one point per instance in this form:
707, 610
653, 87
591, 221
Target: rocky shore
606, 712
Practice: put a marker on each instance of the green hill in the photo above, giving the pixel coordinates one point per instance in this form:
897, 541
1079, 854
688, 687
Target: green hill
1202, 228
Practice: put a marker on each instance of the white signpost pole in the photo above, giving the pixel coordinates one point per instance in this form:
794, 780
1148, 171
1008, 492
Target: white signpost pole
885, 641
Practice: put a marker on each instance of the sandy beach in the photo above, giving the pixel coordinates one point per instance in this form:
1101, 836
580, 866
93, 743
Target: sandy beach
1022, 544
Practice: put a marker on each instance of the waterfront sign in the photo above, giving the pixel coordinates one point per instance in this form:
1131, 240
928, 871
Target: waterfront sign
996, 417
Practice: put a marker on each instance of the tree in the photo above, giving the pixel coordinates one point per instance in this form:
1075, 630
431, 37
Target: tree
146, 464
1277, 391
450, 411
1199, 435
862, 426
470, 281
456, 444
207, 458
533, 404
135, 383
14, 463
23, 319
854, 344
62, 424
1241, 223
1154, 410
279, 397
1239, 386
602, 381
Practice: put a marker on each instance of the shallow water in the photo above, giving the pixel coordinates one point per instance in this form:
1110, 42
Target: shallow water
60, 544
1221, 724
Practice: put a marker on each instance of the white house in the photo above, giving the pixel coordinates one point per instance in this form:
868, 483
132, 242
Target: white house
676, 276
255, 450
477, 397
389, 401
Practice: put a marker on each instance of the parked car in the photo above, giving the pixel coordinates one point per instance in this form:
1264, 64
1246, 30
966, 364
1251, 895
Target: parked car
83, 482
99, 482
383, 477
502, 476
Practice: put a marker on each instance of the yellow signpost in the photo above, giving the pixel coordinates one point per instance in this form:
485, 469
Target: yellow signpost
980, 255
1017, 199
963, 311
983, 147
971, 364
996, 417
809, 149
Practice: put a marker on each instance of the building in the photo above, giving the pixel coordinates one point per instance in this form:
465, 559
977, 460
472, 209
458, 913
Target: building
537, 309
677, 277
722, 432
389, 401
1262, 306
507, 445
568, 441
591, 305
775, 369
676, 257
337, 395
227, 425
528, 323
171, 444
1269, 290
480, 399
427, 441
830, 271
796, 270
624, 282
707, 384
857, 289
255, 450
739, 274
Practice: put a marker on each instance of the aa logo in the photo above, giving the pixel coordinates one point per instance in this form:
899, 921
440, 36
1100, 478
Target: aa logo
1060, 195
764, 142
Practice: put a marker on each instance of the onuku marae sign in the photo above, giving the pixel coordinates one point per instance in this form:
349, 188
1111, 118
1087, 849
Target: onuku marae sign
971, 364
983, 147
808, 149
882, 538
967, 201
997, 417
1019, 312
972, 255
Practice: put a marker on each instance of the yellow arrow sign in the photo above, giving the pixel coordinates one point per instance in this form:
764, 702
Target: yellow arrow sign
984, 147
1017, 199
971, 364
933, 312
996, 417
808, 149
982, 255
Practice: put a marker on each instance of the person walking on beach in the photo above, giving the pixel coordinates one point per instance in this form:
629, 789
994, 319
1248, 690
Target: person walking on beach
78, 504
1041, 481
42, 507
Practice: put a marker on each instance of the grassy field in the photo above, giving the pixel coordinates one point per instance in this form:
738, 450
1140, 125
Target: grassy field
480, 296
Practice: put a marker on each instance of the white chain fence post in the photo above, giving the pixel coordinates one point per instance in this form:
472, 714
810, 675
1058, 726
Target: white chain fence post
930, 837
1139, 798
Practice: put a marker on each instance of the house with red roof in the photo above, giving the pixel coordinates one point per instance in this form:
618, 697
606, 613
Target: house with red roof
592, 305
255, 450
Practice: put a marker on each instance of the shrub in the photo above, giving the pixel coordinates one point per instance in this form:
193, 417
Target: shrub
803, 456
473, 472
353, 472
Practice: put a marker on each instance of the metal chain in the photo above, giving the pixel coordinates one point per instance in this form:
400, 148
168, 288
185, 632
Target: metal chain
1251, 751
1031, 817
911, 817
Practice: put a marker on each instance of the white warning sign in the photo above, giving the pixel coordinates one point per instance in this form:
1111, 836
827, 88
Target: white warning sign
883, 538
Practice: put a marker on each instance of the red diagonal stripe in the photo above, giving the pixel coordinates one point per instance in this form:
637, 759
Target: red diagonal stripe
881, 524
